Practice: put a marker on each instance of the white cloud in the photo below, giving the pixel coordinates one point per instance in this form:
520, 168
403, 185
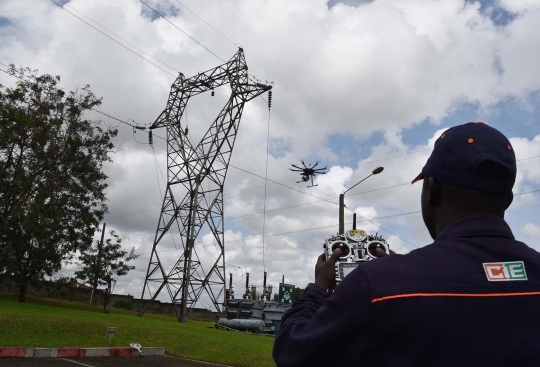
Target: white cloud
532, 230
528, 172
334, 180
519, 6
368, 212
397, 245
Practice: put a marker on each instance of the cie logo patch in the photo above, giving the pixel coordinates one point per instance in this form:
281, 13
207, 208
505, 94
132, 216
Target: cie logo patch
505, 271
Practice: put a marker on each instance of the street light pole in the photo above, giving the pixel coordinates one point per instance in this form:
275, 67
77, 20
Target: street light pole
341, 213
376, 171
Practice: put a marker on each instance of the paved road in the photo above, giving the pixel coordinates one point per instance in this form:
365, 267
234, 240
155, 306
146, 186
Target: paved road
150, 361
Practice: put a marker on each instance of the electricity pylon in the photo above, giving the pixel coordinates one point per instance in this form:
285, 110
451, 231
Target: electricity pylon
196, 174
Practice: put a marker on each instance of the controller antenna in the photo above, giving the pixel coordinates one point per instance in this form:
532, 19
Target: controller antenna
354, 221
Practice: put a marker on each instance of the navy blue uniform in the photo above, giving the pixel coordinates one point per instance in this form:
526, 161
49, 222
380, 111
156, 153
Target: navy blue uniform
472, 298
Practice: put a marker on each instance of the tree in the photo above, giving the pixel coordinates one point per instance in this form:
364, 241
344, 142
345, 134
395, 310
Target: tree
105, 264
51, 180
254, 294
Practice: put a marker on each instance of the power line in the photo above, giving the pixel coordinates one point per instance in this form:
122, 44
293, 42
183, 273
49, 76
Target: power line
123, 122
358, 193
526, 192
395, 156
233, 192
303, 204
306, 229
521, 127
123, 39
174, 25
161, 15
330, 226
215, 258
317, 201
208, 24
185, 7
366, 219
329, 199
199, 43
281, 184
320, 199
106, 35
371, 161
384, 229
261, 186
271, 210
430, 148
114, 118
523, 159
278, 182
135, 213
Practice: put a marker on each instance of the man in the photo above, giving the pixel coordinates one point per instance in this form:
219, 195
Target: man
472, 298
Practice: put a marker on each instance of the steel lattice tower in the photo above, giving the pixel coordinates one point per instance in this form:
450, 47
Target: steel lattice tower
196, 175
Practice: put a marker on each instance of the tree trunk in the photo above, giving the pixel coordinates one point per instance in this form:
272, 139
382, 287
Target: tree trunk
106, 301
22, 291
106, 297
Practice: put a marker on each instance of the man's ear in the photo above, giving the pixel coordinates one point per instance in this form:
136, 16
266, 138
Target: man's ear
433, 191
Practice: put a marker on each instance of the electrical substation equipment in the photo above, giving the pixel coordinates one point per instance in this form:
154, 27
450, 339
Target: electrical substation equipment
193, 198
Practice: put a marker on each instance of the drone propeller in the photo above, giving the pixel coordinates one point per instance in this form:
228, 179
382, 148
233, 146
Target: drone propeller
296, 170
297, 167
315, 165
304, 164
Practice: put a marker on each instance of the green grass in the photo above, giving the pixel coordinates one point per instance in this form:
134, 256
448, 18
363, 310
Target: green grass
48, 323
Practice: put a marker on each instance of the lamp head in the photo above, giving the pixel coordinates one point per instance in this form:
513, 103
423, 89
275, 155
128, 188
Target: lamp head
377, 170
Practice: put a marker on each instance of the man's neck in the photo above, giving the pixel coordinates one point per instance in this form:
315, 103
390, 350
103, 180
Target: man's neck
448, 217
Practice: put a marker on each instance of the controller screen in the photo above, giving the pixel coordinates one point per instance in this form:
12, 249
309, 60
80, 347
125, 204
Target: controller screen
345, 270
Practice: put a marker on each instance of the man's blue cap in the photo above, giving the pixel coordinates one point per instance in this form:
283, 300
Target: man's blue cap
473, 155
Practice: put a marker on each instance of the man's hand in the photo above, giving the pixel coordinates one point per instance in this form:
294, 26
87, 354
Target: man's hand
325, 271
380, 252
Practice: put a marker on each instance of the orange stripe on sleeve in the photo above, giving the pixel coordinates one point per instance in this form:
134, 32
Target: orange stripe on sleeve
408, 295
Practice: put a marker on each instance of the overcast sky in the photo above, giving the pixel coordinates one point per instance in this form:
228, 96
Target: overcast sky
358, 84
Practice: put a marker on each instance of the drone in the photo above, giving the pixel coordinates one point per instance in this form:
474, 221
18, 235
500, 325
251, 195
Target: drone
308, 172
